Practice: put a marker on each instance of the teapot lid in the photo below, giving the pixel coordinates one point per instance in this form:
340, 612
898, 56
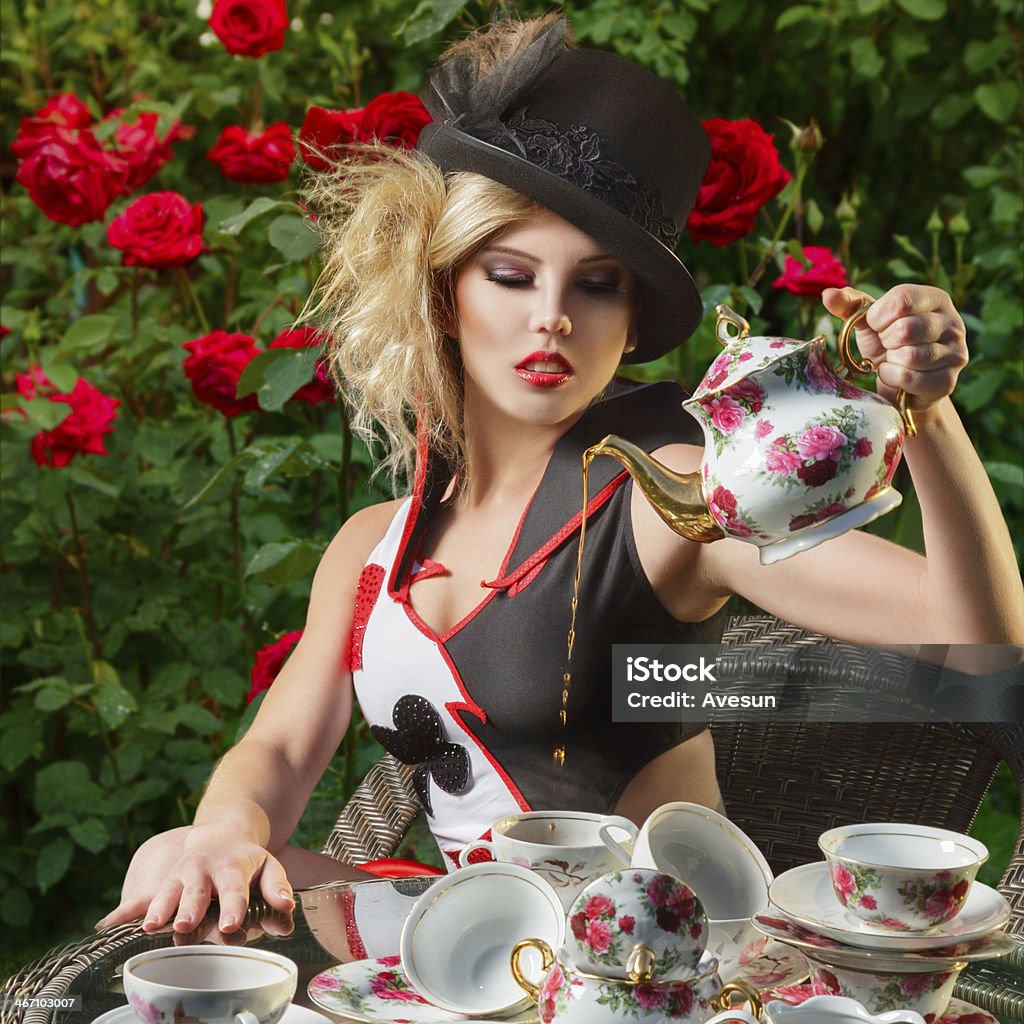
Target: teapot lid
743, 355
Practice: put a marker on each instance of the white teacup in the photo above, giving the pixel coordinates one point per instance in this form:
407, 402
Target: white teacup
457, 941
566, 847
210, 984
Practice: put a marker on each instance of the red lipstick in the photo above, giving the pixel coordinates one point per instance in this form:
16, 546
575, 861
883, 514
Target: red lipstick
544, 369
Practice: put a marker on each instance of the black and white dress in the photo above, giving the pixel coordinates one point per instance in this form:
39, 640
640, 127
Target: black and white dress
477, 709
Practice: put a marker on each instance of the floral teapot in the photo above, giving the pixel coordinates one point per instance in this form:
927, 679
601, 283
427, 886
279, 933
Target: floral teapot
794, 453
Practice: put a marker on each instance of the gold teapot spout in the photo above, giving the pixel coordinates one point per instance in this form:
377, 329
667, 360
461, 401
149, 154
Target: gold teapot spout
677, 497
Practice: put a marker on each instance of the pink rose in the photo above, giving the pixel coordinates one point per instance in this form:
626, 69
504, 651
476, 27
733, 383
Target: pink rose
723, 508
869, 902
626, 924
763, 429
717, 372
598, 936
749, 393
599, 906
819, 375
726, 413
781, 460
835, 508
940, 905
821, 442
843, 882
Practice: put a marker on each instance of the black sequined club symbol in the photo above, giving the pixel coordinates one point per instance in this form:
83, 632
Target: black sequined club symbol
418, 738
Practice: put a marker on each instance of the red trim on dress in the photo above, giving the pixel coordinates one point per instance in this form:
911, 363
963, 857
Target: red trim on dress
532, 566
367, 591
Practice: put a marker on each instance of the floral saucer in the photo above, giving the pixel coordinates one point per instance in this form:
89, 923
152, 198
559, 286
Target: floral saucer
378, 992
293, 1015
777, 965
988, 947
958, 1011
805, 895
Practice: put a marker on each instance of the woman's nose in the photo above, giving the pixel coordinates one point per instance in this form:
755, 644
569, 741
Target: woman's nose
552, 320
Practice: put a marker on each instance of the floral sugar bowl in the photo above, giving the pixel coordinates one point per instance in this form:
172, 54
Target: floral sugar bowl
794, 453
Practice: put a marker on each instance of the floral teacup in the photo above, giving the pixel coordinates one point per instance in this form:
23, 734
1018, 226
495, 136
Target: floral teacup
639, 924
927, 992
901, 877
567, 995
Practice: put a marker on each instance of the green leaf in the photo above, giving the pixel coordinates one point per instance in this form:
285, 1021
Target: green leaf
114, 704
22, 734
924, 10
951, 109
865, 58
66, 785
89, 332
293, 238
815, 218
15, 907
284, 562
52, 698
980, 388
275, 375
998, 100
796, 13
909, 248
754, 298
43, 413
866, 7
981, 176
427, 19
53, 863
87, 477
217, 485
259, 206
1007, 473
90, 834
200, 720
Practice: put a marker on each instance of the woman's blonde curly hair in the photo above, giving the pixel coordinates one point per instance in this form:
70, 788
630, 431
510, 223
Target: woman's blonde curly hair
396, 232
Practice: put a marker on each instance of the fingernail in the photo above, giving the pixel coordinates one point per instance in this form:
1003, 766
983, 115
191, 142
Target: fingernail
228, 921
286, 895
185, 919
152, 919
101, 923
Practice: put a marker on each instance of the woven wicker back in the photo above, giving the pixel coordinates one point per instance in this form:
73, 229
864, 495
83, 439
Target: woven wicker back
784, 784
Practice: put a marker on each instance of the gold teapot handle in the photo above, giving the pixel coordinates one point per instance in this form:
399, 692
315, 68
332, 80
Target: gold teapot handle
857, 365
723, 1001
729, 318
532, 989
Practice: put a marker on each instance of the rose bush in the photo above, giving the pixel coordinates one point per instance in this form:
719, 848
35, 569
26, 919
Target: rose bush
146, 572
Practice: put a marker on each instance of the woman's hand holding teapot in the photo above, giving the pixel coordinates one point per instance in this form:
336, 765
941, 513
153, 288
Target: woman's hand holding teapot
912, 336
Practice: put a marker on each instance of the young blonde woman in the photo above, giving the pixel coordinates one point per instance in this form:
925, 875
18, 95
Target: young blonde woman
481, 294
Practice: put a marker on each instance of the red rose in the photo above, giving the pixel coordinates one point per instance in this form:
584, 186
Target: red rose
63, 111
250, 28
744, 173
69, 176
395, 118
815, 474
270, 660
141, 148
214, 366
320, 388
81, 431
825, 270
242, 156
159, 230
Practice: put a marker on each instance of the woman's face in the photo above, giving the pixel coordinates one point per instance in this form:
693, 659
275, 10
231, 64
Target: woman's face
544, 314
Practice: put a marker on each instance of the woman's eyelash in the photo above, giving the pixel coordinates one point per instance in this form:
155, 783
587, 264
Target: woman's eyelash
509, 280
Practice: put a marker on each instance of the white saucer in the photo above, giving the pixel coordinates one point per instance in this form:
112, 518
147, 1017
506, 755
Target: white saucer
805, 894
378, 992
989, 947
779, 964
293, 1015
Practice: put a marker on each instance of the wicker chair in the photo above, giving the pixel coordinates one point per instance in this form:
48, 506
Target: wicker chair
783, 783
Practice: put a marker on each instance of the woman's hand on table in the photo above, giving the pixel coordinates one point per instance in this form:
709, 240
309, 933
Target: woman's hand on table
174, 875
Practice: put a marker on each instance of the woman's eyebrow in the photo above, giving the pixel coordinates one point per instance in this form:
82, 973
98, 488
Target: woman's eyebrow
509, 250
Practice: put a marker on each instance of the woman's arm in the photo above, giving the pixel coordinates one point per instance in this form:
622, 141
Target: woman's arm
257, 793
859, 587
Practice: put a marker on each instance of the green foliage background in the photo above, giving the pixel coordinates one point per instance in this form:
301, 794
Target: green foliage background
139, 586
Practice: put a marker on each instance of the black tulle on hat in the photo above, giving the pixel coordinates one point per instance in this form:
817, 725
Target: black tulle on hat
597, 139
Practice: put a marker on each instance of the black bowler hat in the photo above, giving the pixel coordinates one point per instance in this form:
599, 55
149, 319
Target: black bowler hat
598, 140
